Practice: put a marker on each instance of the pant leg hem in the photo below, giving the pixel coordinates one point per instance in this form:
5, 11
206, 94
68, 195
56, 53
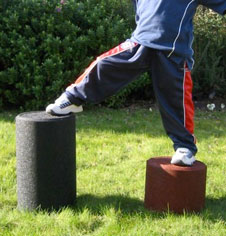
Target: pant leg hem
73, 99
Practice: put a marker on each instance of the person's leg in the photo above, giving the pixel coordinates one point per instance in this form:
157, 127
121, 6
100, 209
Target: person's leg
104, 77
173, 88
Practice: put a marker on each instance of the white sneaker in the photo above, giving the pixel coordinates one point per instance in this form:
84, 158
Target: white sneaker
63, 106
183, 157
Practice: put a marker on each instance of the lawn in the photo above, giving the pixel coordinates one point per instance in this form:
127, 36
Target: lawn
112, 149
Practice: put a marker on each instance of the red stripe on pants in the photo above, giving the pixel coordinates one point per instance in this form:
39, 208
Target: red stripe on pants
114, 51
188, 103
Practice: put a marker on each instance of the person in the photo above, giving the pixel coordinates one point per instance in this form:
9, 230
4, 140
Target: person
162, 44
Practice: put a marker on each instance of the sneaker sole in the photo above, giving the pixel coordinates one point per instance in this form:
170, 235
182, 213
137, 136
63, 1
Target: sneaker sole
50, 110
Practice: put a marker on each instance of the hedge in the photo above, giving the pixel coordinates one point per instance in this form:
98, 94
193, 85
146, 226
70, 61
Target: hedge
44, 44
209, 73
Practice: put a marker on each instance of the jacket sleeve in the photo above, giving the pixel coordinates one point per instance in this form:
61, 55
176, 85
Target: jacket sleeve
218, 6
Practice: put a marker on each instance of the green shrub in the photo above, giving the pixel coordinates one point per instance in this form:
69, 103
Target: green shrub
129, 92
45, 44
209, 72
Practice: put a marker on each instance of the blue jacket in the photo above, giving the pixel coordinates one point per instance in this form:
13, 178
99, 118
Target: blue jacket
167, 25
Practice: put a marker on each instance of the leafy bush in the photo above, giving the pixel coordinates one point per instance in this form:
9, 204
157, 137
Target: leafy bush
44, 44
209, 73
130, 91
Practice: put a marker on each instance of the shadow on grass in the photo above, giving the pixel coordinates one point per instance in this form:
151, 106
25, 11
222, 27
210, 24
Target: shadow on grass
126, 205
215, 209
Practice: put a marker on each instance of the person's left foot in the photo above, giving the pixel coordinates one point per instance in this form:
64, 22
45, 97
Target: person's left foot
183, 157
62, 106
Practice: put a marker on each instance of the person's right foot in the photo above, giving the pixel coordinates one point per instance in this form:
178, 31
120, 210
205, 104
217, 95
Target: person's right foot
183, 157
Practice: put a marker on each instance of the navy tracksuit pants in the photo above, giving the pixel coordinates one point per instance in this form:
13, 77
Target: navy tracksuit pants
172, 85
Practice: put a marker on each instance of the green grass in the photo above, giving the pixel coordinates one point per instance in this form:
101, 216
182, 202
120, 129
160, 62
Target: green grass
112, 149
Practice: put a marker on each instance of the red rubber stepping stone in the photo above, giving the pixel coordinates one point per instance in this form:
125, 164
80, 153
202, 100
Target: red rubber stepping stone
174, 188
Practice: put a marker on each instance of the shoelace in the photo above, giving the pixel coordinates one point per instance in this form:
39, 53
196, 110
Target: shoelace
65, 104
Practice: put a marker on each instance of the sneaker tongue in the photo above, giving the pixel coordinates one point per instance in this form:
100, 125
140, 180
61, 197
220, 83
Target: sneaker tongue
183, 150
61, 99
186, 153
